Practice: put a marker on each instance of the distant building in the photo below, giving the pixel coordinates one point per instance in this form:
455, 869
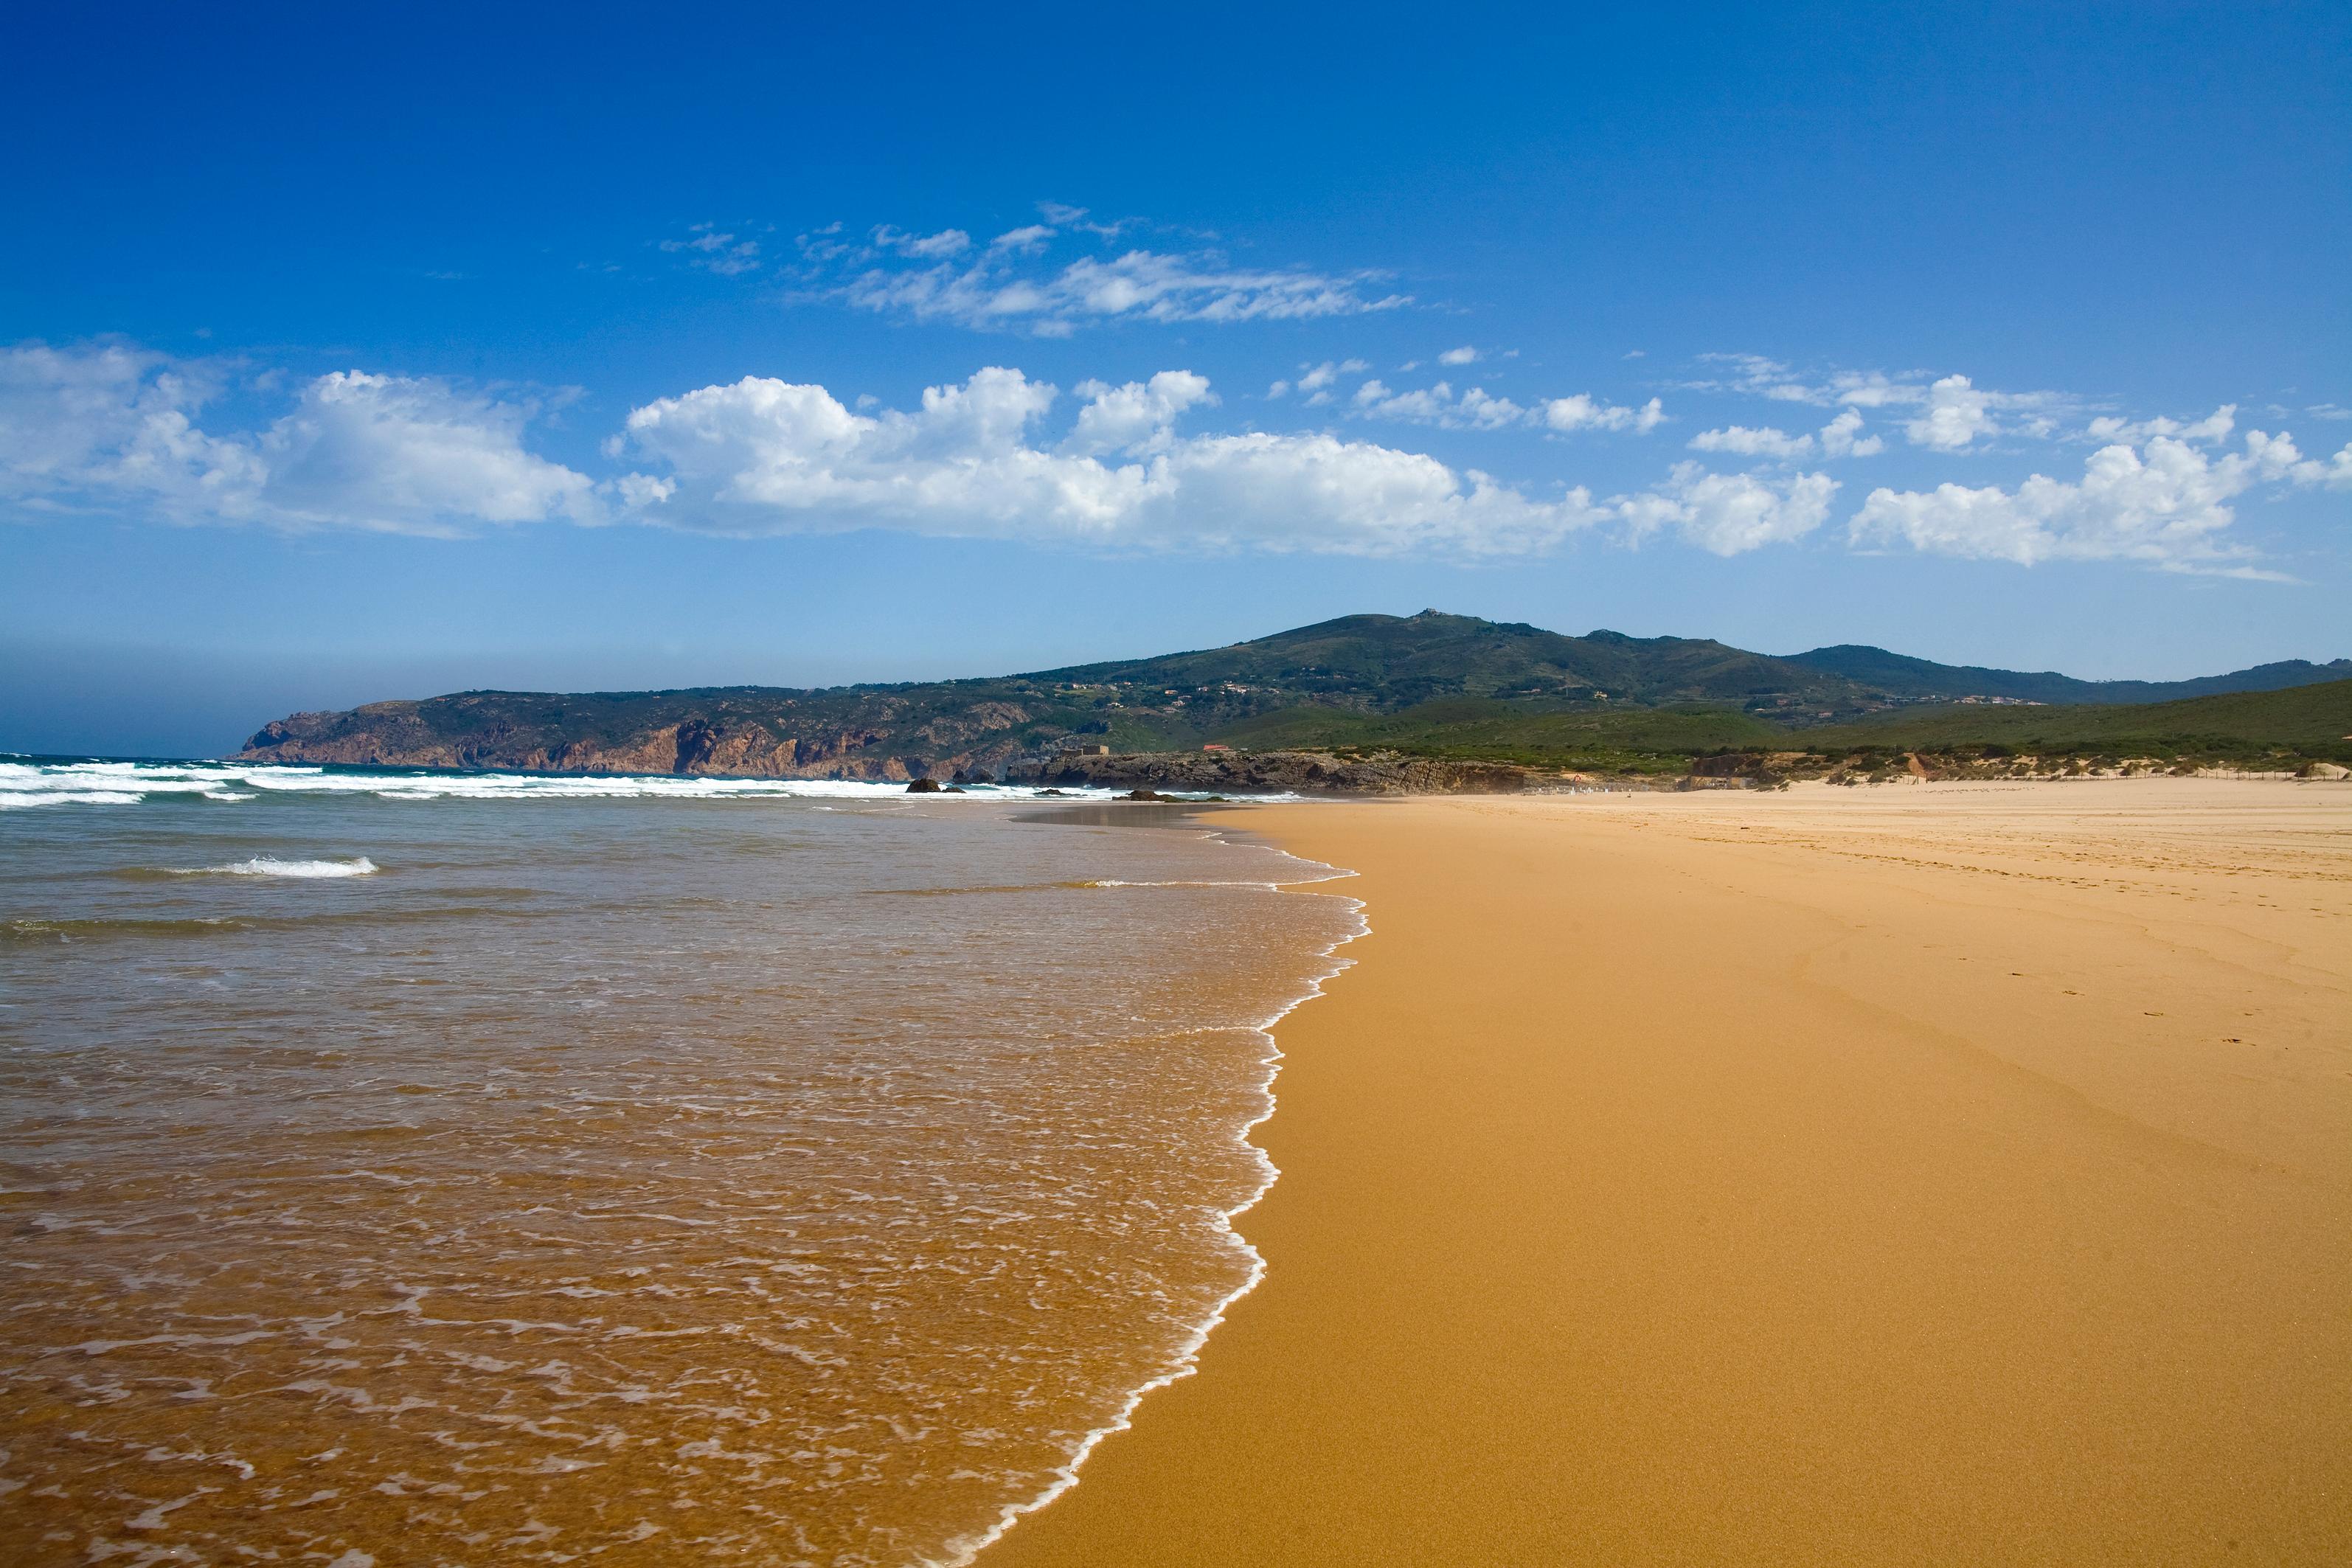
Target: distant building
1212, 746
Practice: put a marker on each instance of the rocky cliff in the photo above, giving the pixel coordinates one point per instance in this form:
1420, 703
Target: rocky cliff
875, 740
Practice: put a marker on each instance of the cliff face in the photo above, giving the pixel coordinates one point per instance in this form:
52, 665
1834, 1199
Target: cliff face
980, 743
414, 735
1297, 773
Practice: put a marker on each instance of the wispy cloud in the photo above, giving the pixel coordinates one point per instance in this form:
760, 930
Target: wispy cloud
1841, 438
714, 249
1473, 409
925, 247
2215, 427
1050, 279
1946, 413
1315, 381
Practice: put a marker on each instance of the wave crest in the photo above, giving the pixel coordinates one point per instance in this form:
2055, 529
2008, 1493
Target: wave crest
270, 866
29, 782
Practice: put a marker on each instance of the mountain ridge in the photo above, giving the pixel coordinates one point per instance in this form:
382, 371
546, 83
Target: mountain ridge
1900, 673
1311, 684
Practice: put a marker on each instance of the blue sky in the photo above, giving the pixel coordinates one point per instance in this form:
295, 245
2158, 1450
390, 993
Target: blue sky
389, 351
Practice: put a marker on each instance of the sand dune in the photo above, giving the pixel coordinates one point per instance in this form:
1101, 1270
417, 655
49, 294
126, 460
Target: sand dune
1911, 1175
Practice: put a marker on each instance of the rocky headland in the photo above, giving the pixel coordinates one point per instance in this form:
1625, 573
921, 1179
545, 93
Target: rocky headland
410, 735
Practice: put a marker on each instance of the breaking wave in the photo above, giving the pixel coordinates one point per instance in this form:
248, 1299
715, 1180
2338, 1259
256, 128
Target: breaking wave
25, 781
269, 866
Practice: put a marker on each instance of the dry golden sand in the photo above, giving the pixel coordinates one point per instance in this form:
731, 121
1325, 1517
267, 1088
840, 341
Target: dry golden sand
1930, 1174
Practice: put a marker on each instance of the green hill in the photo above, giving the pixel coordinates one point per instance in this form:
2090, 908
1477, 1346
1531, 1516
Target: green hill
1897, 675
1440, 685
1385, 663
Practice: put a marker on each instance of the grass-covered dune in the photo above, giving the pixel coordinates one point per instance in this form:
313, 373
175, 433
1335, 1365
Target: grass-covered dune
2303, 723
1603, 737
2261, 730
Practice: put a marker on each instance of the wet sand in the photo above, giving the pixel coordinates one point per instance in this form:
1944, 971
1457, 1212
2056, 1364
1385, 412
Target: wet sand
1919, 1175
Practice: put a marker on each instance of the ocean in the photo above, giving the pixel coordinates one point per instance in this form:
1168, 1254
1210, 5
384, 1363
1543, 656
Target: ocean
452, 1169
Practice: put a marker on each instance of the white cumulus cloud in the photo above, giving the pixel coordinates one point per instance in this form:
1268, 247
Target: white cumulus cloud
1138, 416
1843, 436
1473, 409
1743, 441
79, 424
403, 453
2162, 503
765, 456
1583, 412
1730, 514
111, 428
1463, 355
1955, 414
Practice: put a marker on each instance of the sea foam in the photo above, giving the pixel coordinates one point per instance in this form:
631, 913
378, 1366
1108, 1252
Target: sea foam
269, 866
25, 781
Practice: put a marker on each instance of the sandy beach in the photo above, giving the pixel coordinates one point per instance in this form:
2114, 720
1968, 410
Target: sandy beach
1904, 1175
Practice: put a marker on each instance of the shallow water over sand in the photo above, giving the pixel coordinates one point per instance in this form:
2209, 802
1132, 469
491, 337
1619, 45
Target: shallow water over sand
655, 1180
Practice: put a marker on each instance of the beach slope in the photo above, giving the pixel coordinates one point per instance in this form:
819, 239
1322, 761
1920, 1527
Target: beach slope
1915, 1175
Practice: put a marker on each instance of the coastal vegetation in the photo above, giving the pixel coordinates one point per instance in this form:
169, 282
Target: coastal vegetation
2281, 730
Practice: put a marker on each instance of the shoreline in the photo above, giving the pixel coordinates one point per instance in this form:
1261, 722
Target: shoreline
1194, 819
1704, 1317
